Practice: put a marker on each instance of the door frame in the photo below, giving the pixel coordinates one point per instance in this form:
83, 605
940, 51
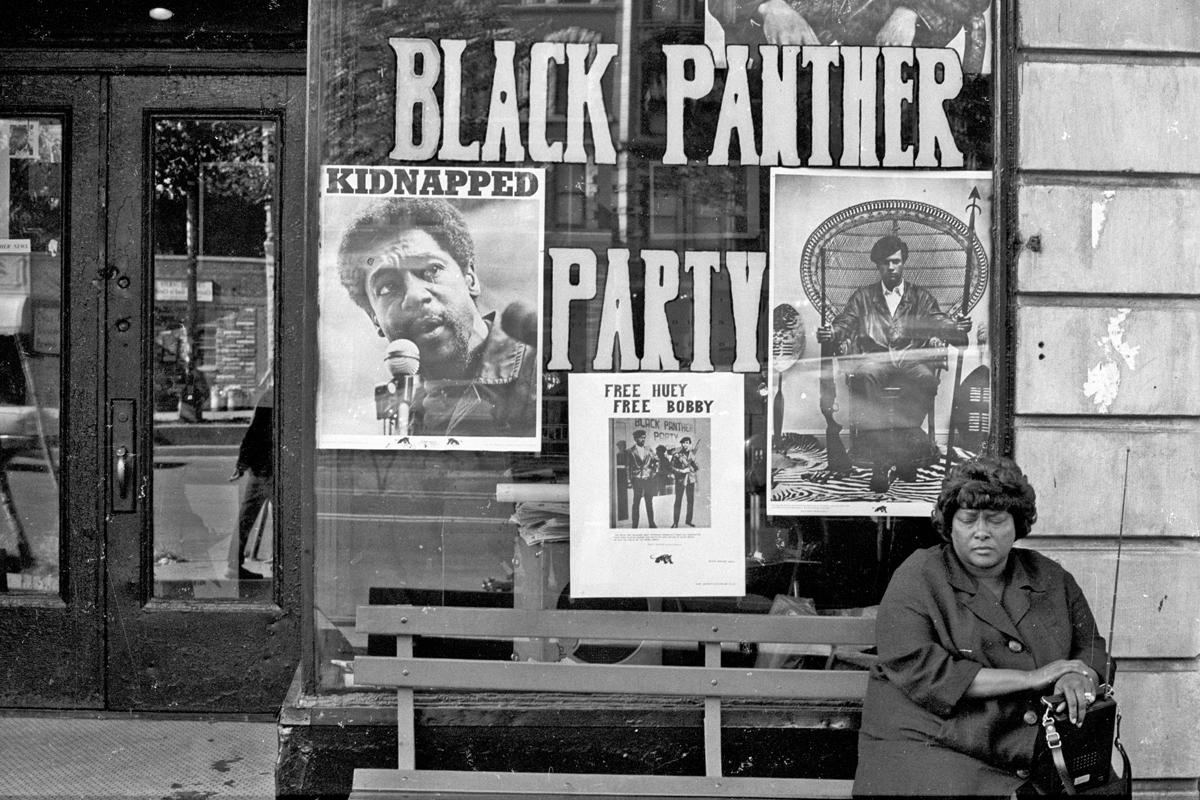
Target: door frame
54, 653
195, 655
59, 658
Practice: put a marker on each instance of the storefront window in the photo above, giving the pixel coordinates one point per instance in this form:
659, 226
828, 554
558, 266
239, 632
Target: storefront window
31, 246
617, 355
214, 291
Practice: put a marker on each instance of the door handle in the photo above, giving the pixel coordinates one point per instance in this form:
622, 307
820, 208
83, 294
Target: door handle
123, 426
122, 472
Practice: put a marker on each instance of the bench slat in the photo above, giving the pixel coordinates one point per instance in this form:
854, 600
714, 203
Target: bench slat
406, 718
446, 673
615, 625
446, 784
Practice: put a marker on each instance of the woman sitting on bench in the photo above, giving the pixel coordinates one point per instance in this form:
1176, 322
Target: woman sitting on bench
970, 634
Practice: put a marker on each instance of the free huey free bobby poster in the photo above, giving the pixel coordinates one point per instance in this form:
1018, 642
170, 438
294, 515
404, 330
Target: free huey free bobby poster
657, 485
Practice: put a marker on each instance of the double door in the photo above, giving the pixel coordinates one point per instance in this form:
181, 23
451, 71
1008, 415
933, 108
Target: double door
151, 240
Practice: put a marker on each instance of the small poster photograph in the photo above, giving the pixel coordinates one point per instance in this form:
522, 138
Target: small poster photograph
20, 138
658, 500
430, 297
663, 473
879, 366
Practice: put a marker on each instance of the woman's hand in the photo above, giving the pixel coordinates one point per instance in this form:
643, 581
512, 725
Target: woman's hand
1048, 674
1079, 692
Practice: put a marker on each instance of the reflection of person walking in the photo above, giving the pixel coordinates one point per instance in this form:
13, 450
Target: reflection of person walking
643, 469
255, 456
684, 466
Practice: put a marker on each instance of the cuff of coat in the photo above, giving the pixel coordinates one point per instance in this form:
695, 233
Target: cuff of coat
951, 689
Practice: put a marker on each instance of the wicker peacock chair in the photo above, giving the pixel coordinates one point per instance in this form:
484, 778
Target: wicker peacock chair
944, 258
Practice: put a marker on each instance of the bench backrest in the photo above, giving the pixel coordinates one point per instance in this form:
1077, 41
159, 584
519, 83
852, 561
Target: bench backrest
712, 682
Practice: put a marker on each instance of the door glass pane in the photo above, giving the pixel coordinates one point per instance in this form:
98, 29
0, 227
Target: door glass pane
31, 246
213, 242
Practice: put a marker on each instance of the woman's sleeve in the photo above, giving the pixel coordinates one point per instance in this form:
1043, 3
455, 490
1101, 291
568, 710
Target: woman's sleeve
1087, 644
911, 654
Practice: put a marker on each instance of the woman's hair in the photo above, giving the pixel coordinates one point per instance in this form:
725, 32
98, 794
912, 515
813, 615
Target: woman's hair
992, 483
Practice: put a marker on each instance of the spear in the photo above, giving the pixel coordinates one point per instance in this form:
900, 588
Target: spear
837, 460
973, 208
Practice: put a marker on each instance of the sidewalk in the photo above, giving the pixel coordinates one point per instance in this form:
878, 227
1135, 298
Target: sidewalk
148, 759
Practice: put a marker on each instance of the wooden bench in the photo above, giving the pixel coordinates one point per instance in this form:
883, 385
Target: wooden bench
711, 682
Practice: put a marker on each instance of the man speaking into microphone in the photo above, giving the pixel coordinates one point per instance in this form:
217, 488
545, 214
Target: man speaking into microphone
410, 264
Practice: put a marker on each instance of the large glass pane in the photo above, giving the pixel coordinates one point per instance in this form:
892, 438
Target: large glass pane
480, 526
213, 394
31, 247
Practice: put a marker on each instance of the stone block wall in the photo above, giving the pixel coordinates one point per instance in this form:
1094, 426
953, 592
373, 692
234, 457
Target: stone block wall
1107, 339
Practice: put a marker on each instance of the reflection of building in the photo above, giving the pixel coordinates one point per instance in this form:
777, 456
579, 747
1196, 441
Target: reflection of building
233, 329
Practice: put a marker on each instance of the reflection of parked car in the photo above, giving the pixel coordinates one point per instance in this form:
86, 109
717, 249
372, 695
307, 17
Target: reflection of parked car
28, 435
173, 380
19, 422
169, 378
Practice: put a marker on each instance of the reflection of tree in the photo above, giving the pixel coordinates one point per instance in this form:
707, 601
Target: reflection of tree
36, 210
182, 150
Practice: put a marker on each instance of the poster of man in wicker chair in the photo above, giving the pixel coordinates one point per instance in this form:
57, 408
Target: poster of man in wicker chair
887, 276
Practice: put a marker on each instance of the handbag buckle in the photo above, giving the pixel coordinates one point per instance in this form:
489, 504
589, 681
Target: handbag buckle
1053, 740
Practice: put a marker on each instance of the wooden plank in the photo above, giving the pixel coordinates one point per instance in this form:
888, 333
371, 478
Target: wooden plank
406, 734
712, 716
1078, 117
510, 676
1104, 236
1148, 25
1072, 461
376, 783
1123, 358
613, 625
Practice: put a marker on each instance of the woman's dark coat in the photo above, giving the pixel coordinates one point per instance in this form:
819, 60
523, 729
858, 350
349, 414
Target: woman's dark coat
937, 628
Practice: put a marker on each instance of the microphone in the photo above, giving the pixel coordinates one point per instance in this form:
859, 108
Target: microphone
520, 321
393, 400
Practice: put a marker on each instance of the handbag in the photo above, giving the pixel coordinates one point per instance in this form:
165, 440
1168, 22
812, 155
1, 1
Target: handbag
1078, 760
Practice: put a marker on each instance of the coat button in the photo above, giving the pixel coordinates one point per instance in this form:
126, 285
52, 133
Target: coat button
1031, 717
1015, 646
1022, 773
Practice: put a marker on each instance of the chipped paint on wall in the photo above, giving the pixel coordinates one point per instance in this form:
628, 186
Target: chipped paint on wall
1099, 215
1104, 379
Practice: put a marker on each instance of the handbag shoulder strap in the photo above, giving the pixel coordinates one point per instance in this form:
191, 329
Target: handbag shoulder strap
1054, 744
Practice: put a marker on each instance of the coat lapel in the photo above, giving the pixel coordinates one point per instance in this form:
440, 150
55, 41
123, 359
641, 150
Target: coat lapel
878, 302
906, 300
1021, 584
979, 603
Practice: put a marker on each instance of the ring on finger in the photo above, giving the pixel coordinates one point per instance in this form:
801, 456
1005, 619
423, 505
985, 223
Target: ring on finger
1089, 696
